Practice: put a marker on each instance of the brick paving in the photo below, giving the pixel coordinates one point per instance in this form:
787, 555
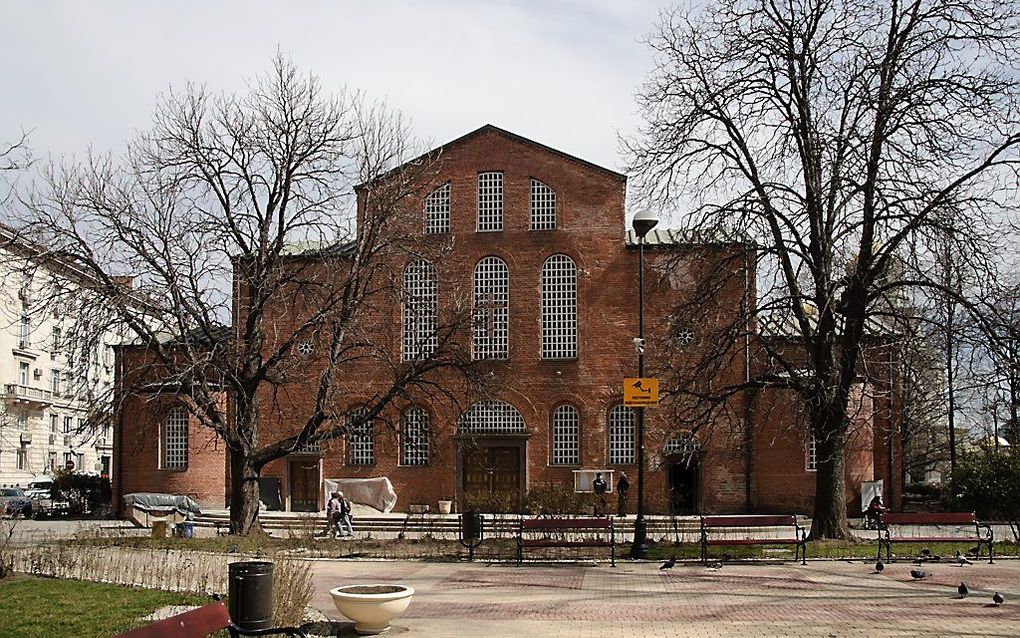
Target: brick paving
823, 598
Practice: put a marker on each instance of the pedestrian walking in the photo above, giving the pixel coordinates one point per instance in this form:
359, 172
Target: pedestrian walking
622, 487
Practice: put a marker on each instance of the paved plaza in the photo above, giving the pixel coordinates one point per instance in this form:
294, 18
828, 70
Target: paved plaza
823, 598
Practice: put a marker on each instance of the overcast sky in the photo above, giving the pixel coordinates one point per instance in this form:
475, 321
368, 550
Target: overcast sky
562, 72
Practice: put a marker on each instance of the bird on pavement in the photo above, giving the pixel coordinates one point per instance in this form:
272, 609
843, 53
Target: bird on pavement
962, 560
917, 574
668, 564
714, 565
962, 590
879, 566
925, 551
998, 599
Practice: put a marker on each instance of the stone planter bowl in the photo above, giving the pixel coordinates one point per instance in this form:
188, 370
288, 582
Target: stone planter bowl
372, 607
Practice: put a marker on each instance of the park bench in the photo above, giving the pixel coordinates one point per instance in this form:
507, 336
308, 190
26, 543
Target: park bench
565, 532
750, 530
203, 622
937, 527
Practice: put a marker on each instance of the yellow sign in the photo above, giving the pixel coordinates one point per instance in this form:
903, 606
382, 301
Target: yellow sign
641, 392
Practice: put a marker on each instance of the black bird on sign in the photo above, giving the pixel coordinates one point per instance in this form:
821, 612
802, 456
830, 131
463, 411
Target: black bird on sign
917, 574
879, 566
963, 591
998, 599
668, 564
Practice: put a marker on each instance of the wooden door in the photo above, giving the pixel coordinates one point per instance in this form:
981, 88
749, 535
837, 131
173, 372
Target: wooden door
492, 477
304, 485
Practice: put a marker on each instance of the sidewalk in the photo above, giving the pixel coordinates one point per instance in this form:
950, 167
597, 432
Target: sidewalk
820, 599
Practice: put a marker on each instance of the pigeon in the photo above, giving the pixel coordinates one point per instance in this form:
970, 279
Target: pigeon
917, 574
879, 566
962, 560
714, 565
963, 591
925, 551
998, 599
668, 564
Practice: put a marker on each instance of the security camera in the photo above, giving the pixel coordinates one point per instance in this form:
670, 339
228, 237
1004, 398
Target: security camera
639, 345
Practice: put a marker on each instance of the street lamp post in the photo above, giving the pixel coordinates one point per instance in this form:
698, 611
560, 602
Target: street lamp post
644, 221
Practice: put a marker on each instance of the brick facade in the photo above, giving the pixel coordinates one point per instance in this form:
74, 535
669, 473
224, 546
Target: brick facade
590, 229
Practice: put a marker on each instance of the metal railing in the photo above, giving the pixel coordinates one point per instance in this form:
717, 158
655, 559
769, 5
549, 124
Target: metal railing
18, 391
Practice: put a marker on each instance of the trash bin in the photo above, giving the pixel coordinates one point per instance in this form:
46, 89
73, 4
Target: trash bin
251, 594
159, 529
470, 526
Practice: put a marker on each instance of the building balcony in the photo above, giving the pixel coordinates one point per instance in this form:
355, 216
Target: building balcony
27, 395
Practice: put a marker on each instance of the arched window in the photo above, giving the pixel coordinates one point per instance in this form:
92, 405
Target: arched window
491, 325
559, 308
543, 206
491, 417
437, 210
490, 201
420, 301
175, 440
565, 436
415, 439
621, 435
360, 439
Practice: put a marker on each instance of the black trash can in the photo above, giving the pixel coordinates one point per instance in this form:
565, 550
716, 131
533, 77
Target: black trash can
470, 526
251, 594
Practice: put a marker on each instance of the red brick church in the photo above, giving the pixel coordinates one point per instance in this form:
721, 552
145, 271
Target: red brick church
538, 239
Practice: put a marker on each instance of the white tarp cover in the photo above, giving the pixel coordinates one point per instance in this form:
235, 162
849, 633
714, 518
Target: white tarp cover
869, 490
154, 502
374, 492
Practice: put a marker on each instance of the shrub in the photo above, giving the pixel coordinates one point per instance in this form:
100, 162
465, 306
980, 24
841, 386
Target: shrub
556, 500
86, 493
988, 483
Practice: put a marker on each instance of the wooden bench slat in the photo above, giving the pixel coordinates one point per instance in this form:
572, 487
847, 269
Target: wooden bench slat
755, 520
565, 523
197, 622
936, 539
929, 518
551, 542
753, 541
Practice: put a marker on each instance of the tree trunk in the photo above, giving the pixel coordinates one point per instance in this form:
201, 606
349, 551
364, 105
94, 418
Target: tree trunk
244, 494
830, 519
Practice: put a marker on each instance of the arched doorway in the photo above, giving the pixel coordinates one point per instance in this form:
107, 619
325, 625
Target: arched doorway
492, 443
682, 464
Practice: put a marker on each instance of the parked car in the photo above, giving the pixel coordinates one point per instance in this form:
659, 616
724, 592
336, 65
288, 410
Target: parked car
14, 502
43, 503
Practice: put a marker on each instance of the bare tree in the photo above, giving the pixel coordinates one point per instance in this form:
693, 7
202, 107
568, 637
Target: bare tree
255, 286
843, 138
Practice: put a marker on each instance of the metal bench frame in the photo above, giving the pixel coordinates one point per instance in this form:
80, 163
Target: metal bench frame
563, 525
886, 538
203, 622
710, 524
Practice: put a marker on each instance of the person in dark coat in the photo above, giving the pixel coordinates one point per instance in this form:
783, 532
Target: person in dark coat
600, 486
622, 487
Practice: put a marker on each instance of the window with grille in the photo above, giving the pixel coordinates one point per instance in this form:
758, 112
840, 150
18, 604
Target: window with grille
437, 210
621, 435
565, 436
54, 423
491, 417
543, 206
416, 438
559, 308
491, 325
175, 439
420, 301
360, 439
812, 452
490, 201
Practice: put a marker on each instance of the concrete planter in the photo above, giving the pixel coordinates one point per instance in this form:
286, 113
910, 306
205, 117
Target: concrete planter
372, 607
445, 507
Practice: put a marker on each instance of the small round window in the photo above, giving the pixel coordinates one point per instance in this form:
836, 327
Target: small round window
683, 334
306, 348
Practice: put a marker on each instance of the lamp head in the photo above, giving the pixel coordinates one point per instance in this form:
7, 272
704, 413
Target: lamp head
644, 220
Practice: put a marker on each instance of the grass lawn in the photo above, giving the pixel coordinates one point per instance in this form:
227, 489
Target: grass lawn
39, 607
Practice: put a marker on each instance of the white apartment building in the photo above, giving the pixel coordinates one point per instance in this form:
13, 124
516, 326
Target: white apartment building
54, 395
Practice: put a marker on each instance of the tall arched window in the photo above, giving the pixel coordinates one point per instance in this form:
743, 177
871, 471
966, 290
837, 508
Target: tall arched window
360, 438
559, 308
175, 440
565, 436
437, 210
621, 435
491, 309
543, 206
420, 301
490, 201
415, 439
